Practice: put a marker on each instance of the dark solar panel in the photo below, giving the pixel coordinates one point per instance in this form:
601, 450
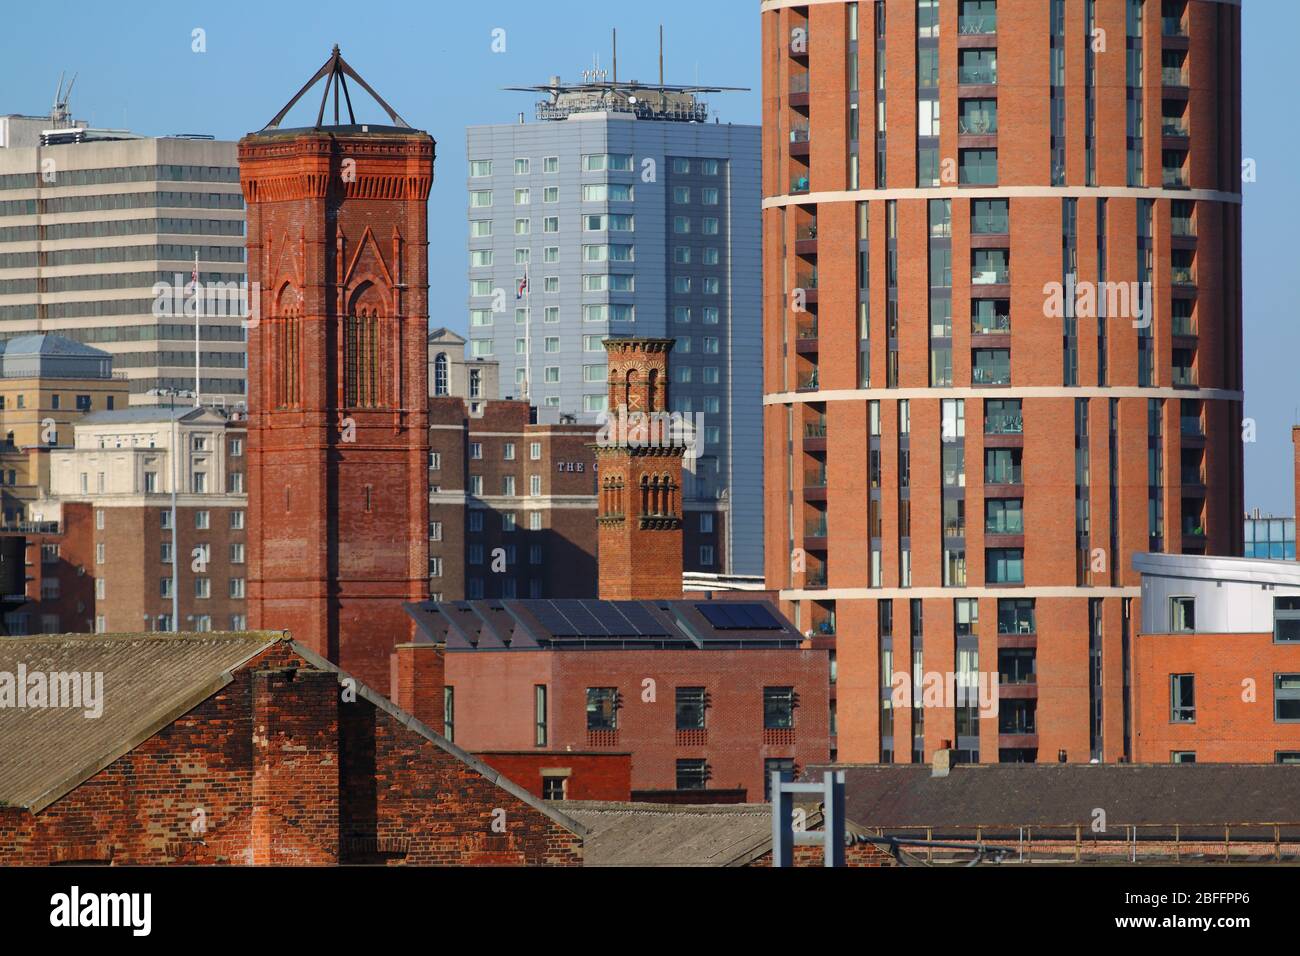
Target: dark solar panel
614, 623
734, 616
551, 619
645, 623
583, 621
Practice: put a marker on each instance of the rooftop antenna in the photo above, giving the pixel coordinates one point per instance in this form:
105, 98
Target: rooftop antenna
615, 33
60, 115
661, 54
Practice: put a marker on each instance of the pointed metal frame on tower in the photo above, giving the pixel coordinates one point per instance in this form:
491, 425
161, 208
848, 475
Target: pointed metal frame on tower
336, 69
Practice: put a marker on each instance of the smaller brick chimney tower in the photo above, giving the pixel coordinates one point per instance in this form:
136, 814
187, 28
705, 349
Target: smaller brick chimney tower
639, 455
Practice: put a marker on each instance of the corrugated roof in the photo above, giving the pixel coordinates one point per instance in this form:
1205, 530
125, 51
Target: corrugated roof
1058, 795
649, 834
148, 680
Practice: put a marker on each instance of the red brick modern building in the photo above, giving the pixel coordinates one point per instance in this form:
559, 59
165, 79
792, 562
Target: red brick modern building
1002, 348
705, 696
244, 749
512, 503
1216, 665
338, 436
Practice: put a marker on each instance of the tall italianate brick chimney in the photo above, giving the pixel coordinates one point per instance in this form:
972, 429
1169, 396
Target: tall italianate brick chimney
338, 418
639, 454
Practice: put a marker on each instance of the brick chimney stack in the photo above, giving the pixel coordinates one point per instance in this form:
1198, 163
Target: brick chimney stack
417, 679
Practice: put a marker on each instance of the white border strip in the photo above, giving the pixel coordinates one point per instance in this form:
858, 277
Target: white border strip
1031, 391
768, 5
1003, 192
852, 594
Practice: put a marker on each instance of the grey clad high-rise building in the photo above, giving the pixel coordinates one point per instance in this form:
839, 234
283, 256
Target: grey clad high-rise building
92, 221
630, 213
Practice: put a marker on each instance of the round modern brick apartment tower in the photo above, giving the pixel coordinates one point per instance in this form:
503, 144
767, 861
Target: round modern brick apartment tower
1002, 347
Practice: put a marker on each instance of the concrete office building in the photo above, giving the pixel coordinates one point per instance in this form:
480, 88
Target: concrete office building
630, 215
90, 222
1003, 349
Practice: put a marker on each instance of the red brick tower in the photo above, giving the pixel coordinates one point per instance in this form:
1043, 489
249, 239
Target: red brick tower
639, 455
337, 367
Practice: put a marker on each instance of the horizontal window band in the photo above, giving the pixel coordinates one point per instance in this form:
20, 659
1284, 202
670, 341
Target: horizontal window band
1030, 391
1001, 192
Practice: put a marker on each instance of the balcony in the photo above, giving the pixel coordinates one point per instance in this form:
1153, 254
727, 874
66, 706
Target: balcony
1175, 76
989, 225
1195, 477
807, 381
977, 75
805, 239
806, 280
1004, 423
987, 276
1182, 275
799, 184
978, 25
1193, 527
815, 429
800, 137
1170, 126
990, 324
815, 528
1184, 377
814, 479
815, 578
1005, 522
978, 124
954, 527
1173, 27
1174, 179
806, 337
1183, 228
798, 83
1003, 475
1191, 428
990, 375
1184, 325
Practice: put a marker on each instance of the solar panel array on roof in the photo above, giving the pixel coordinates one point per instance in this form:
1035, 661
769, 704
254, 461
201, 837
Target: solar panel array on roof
739, 616
578, 618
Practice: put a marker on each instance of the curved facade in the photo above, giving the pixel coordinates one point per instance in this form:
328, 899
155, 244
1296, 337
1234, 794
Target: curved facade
1002, 334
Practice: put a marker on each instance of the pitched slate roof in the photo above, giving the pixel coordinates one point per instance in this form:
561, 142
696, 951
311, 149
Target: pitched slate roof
649, 834
1068, 795
148, 680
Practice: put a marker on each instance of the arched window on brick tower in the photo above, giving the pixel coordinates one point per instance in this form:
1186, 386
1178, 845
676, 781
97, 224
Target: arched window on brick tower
652, 390
630, 398
645, 494
286, 347
364, 348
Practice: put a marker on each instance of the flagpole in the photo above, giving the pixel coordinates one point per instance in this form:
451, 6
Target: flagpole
197, 314
528, 337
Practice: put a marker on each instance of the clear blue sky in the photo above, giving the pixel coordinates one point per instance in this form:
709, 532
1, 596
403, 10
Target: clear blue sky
433, 62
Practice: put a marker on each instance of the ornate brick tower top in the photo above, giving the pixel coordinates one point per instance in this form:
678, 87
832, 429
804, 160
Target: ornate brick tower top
338, 405
639, 453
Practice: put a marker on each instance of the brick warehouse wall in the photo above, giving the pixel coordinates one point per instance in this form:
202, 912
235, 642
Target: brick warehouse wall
494, 693
338, 482
379, 793
587, 776
831, 428
1234, 697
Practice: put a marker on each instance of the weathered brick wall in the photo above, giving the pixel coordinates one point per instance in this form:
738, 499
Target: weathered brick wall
860, 854
277, 768
591, 776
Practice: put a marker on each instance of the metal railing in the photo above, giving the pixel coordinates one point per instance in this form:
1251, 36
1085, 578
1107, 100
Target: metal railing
1174, 179
799, 83
1173, 76
1183, 227
816, 528
1173, 127
1182, 275
1173, 26
807, 381
983, 375
1003, 423
799, 134
806, 232
806, 330
990, 324
977, 24
1012, 523
799, 184
815, 479
1184, 376
1191, 426
990, 276
977, 75
814, 429
989, 225
983, 124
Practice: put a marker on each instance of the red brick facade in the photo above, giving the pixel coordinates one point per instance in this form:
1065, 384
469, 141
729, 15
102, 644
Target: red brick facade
640, 477
496, 708
281, 767
338, 398
536, 503
1234, 720
844, 351
585, 775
